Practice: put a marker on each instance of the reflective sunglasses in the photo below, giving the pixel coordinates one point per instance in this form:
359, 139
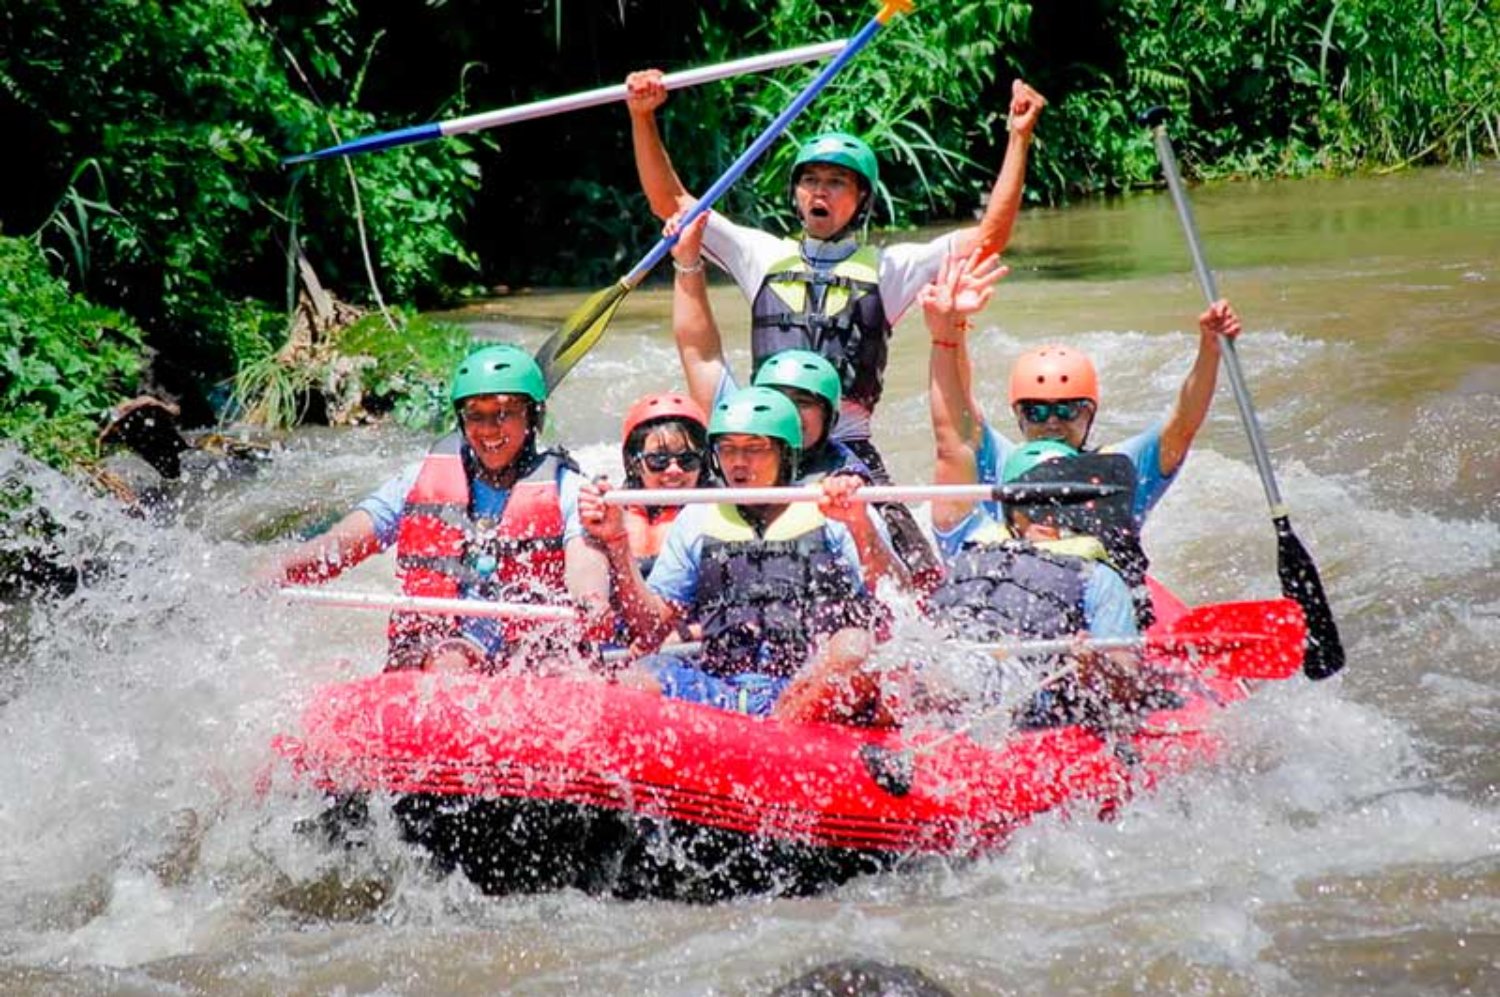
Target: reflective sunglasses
492, 420
688, 460
1066, 411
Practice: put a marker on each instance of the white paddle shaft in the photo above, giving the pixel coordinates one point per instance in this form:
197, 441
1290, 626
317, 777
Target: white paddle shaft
781, 496
610, 94
434, 607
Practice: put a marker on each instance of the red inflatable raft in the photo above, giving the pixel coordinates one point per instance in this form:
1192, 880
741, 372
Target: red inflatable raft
535, 782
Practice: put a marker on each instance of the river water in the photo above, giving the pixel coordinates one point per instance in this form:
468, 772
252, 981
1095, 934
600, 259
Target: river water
1349, 844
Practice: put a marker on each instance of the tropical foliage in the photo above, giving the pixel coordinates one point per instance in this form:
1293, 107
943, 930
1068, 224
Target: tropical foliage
63, 361
155, 132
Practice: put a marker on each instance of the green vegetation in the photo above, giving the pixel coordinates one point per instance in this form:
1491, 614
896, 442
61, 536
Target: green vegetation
155, 131
63, 361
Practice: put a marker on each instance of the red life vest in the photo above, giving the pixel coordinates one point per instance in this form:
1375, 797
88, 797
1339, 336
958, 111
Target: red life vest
443, 552
648, 533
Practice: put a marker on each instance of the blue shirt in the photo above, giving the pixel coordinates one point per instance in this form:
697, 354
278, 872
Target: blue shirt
1143, 449
1107, 608
674, 577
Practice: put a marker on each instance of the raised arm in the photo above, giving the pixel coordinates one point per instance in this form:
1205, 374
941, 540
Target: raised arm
992, 235
1197, 391
645, 92
963, 287
699, 346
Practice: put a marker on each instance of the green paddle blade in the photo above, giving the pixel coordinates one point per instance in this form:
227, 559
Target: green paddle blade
565, 347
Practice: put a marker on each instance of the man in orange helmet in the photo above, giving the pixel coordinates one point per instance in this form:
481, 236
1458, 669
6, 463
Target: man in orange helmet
1054, 395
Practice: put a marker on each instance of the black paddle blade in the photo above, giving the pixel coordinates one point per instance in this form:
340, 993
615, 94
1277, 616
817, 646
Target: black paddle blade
1300, 581
565, 347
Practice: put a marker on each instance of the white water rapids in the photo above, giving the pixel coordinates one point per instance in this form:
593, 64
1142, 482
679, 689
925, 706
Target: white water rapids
1350, 842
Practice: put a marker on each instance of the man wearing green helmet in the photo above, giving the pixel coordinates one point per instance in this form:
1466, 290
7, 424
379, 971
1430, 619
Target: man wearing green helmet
486, 515
807, 378
823, 290
1029, 575
770, 584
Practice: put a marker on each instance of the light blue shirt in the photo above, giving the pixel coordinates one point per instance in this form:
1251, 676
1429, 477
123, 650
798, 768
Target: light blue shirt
1107, 608
675, 574
1143, 449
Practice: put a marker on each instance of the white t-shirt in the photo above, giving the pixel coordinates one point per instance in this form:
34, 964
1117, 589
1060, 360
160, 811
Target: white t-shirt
748, 254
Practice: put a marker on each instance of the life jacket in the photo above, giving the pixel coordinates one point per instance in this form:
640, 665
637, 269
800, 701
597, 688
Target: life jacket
443, 552
999, 588
647, 533
763, 598
837, 313
1110, 520
831, 458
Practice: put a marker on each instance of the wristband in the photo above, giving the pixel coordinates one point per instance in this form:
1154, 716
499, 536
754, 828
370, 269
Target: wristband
947, 344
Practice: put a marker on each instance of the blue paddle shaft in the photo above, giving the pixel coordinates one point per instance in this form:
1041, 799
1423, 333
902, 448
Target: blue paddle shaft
402, 136
757, 148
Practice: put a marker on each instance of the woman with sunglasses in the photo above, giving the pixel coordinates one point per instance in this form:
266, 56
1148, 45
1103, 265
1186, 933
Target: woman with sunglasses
665, 446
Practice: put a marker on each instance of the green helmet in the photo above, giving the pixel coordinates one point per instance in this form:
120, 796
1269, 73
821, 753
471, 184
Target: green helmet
498, 370
1028, 456
840, 149
758, 412
804, 370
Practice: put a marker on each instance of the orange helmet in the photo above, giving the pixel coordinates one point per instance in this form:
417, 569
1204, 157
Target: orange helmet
664, 406
1052, 373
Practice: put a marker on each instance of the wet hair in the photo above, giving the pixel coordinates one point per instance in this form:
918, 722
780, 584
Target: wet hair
684, 430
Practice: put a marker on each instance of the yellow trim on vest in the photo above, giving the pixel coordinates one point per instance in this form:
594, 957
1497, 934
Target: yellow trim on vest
863, 264
1085, 547
725, 523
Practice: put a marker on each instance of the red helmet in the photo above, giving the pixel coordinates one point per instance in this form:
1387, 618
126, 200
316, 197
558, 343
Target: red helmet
1053, 373
664, 406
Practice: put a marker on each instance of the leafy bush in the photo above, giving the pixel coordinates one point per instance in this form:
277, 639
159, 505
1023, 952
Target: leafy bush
182, 112
63, 360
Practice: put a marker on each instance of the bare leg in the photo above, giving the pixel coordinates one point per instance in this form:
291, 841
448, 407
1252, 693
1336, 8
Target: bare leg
834, 687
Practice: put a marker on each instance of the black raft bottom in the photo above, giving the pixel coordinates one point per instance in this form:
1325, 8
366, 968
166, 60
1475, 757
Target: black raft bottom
527, 846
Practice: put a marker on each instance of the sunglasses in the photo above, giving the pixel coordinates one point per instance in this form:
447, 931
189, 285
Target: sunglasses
492, 420
688, 460
1066, 411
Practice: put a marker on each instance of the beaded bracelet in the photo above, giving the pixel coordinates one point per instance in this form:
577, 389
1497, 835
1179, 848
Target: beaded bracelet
695, 268
947, 344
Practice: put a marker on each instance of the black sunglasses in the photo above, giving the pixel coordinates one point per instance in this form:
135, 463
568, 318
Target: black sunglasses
1066, 411
688, 460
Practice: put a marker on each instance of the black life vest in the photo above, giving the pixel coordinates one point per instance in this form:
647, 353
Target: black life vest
1000, 589
831, 458
763, 598
1110, 520
837, 313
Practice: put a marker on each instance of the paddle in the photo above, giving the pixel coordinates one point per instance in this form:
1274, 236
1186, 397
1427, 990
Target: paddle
1294, 565
1016, 493
435, 607
582, 329
573, 102
1243, 640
